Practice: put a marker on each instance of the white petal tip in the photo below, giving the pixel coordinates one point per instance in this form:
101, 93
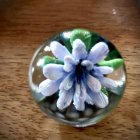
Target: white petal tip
59, 50
54, 44
103, 101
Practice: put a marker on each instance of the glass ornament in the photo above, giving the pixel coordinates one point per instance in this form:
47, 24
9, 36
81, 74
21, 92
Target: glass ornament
84, 77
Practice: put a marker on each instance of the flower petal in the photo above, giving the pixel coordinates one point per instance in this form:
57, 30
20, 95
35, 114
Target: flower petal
103, 69
89, 100
53, 71
88, 64
59, 50
79, 98
100, 99
67, 83
79, 49
65, 99
93, 83
86, 97
69, 63
108, 83
49, 87
79, 103
98, 52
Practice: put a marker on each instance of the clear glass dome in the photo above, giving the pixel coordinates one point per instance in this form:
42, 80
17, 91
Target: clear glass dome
70, 115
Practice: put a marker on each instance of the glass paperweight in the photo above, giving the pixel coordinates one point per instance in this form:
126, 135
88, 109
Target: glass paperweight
77, 77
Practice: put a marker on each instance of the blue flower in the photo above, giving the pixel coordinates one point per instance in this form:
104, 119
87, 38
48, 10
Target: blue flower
80, 79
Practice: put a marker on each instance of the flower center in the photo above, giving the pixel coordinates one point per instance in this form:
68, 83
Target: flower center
80, 71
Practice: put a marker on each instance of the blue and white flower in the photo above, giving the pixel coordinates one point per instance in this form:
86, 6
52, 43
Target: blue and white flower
80, 79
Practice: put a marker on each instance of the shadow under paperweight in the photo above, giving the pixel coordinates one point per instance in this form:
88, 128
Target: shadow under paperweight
77, 77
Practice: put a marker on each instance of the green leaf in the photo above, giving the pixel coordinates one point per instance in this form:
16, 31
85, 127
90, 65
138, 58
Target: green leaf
114, 63
47, 60
65, 38
112, 55
94, 39
82, 34
103, 89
